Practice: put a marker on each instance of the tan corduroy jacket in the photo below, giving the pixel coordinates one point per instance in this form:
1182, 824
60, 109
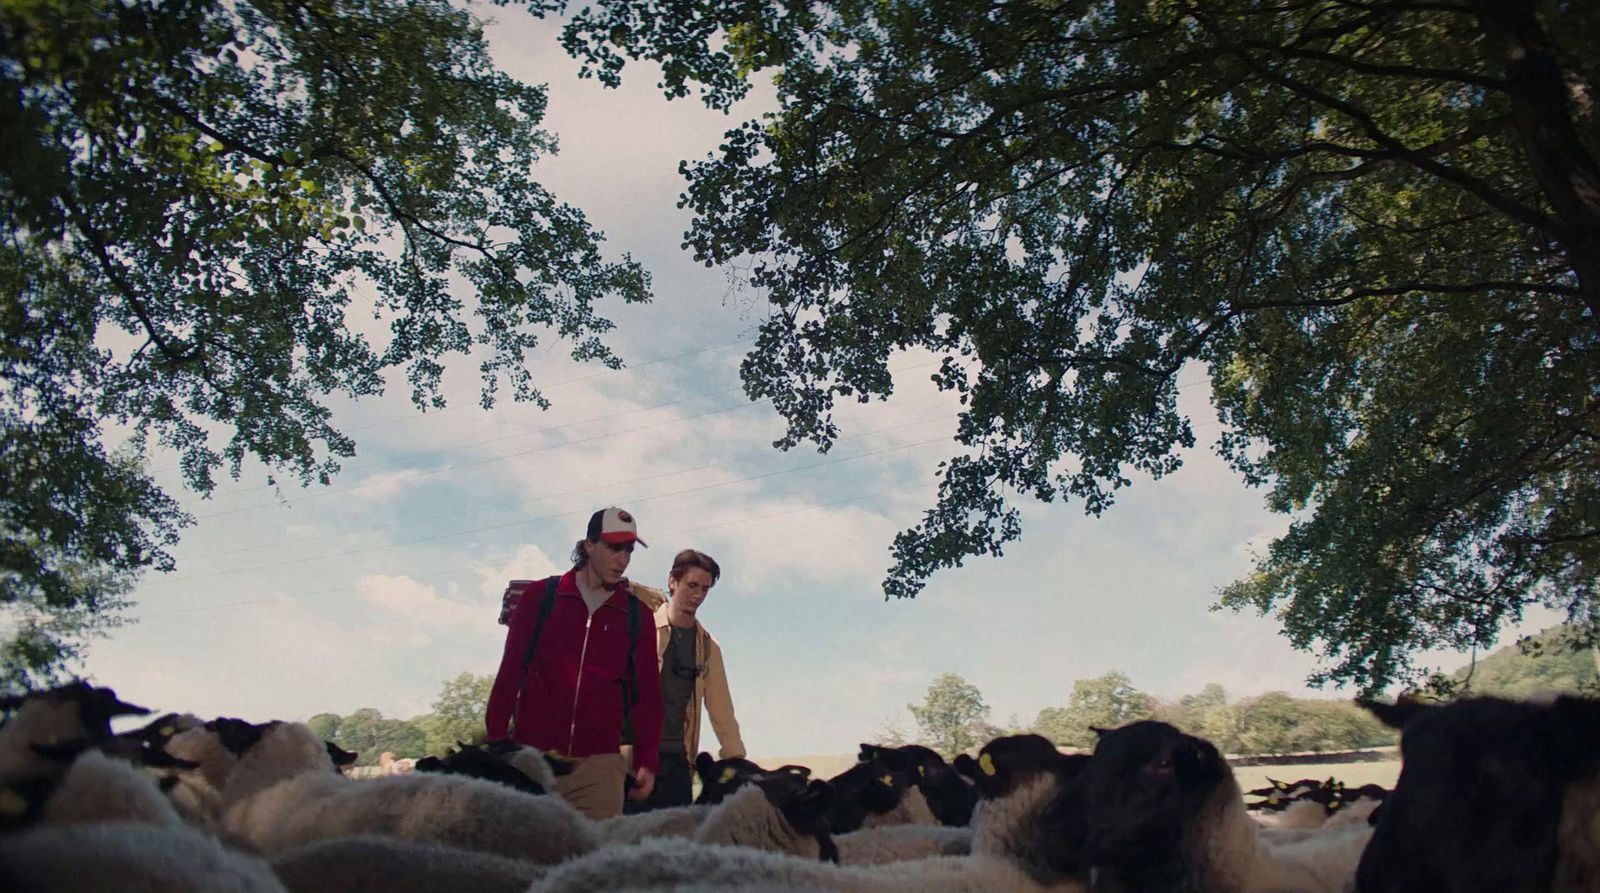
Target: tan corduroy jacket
710, 688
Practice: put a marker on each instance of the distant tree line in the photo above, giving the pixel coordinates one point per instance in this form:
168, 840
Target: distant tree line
457, 717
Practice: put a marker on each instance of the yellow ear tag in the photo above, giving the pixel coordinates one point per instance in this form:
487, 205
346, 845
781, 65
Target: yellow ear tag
11, 803
167, 731
727, 776
922, 771
986, 763
1280, 786
886, 780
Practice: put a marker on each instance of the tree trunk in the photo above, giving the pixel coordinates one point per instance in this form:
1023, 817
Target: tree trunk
1542, 115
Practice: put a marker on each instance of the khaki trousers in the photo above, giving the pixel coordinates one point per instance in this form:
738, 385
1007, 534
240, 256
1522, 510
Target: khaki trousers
594, 786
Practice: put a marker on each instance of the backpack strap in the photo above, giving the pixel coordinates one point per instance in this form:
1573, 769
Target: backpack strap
630, 679
546, 605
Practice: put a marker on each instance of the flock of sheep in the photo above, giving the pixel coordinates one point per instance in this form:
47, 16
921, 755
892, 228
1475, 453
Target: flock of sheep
1493, 795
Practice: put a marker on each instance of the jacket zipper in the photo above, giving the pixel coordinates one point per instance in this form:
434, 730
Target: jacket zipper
572, 740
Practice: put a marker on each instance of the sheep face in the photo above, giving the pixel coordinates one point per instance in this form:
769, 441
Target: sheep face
1006, 763
1144, 784
719, 778
950, 796
236, 735
1484, 792
869, 787
804, 804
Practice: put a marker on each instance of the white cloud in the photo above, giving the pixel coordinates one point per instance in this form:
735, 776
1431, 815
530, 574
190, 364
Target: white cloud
419, 603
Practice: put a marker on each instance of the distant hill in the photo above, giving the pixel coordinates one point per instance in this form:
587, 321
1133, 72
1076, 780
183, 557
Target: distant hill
1550, 666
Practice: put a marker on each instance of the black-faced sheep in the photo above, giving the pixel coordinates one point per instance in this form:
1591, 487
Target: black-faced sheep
1493, 795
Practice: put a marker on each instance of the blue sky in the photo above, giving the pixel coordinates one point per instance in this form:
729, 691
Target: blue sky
373, 591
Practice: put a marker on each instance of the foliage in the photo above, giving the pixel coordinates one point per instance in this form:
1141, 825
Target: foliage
952, 715
200, 200
1376, 225
369, 733
41, 640
458, 713
1555, 660
326, 725
1103, 702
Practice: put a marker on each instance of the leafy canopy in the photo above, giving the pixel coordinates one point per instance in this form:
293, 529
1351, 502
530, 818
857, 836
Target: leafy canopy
1376, 225
201, 199
952, 715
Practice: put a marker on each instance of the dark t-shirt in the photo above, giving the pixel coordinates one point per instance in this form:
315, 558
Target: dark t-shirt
678, 672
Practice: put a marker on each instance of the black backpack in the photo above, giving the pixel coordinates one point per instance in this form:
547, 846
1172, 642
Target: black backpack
516, 589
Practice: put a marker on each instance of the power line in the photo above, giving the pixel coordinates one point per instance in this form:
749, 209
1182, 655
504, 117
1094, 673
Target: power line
745, 520
548, 387
633, 500
586, 489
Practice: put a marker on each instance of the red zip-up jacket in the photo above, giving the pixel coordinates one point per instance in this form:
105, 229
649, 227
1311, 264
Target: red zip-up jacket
572, 697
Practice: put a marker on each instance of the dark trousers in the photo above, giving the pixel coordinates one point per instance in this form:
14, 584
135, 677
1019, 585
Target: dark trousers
674, 786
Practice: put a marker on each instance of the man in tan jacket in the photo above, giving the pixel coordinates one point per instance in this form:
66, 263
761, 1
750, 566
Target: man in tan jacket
692, 674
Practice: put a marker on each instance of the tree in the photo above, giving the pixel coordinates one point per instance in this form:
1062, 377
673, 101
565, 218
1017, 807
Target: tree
1555, 660
1376, 225
1104, 702
325, 725
458, 712
1208, 715
952, 715
369, 733
194, 197
41, 640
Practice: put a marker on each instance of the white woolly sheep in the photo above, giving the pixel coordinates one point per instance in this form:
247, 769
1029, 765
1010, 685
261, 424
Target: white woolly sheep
680, 866
671, 821
901, 843
128, 858
69, 713
777, 812
349, 864
281, 795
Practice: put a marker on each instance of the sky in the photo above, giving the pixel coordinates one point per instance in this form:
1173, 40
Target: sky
373, 591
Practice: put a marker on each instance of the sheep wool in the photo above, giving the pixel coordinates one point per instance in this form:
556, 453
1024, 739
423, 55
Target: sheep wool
913, 809
673, 821
901, 843
748, 819
204, 746
98, 788
127, 858
349, 864
450, 809
285, 751
674, 865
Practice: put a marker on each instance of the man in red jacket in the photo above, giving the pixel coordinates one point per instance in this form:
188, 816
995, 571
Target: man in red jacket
566, 680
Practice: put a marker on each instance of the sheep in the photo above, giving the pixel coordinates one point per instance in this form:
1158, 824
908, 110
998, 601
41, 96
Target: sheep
950, 796
1163, 812
872, 794
1493, 795
719, 778
68, 713
900, 843
680, 866
780, 812
1021, 782
95, 788
672, 821
203, 745
1025, 814
128, 858
281, 795
364, 862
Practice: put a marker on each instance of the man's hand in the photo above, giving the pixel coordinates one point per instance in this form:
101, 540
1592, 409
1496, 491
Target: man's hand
646, 780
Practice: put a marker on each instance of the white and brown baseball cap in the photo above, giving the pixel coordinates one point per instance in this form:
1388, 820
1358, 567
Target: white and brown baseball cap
614, 525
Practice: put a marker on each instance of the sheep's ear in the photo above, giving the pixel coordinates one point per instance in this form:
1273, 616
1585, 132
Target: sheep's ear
868, 751
808, 810
703, 764
1099, 731
1397, 715
793, 769
967, 766
339, 755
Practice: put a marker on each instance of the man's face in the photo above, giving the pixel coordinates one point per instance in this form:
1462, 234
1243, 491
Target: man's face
610, 560
690, 590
